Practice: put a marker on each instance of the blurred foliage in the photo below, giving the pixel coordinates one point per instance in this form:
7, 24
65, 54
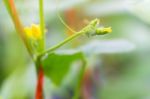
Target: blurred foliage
120, 58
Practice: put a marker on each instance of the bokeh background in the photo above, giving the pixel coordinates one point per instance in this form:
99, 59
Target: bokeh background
118, 63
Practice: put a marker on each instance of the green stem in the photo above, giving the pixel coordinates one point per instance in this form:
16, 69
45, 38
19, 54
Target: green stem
42, 25
40, 74
62, 43
78, 87
90, 27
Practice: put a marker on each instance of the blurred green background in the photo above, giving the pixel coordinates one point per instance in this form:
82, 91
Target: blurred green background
118, 63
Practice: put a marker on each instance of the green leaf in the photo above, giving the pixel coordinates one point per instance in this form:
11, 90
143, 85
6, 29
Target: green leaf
56, 65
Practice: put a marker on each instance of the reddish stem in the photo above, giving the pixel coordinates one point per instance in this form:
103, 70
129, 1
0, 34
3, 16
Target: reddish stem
18, 24
87, 85
39, 88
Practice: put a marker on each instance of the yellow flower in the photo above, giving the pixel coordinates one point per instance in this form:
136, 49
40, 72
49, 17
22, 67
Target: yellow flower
33, 32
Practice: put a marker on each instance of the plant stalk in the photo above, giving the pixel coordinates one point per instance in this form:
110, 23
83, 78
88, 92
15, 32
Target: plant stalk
39, 88
42, 22
40, 73
61, 43
16, 20
79, 81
